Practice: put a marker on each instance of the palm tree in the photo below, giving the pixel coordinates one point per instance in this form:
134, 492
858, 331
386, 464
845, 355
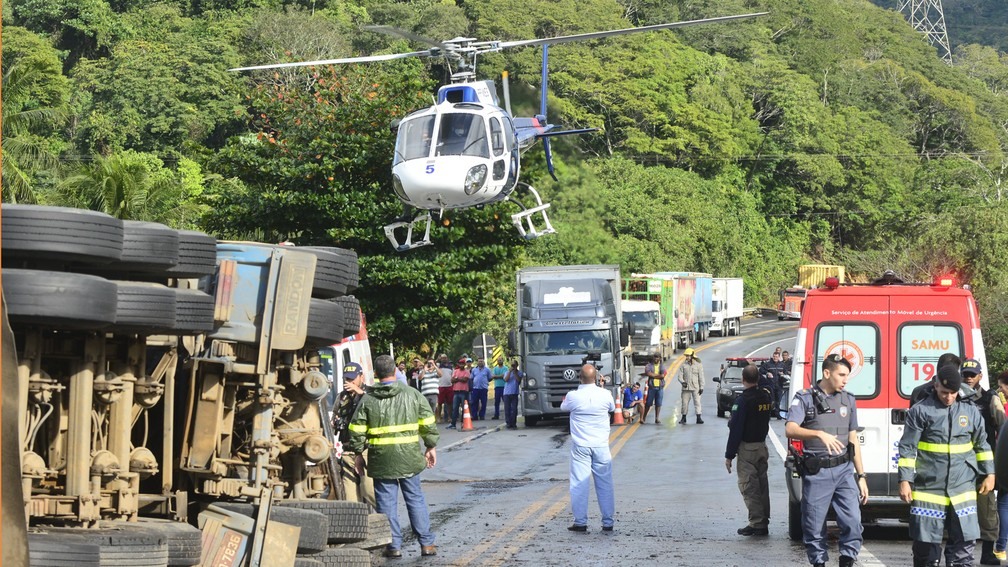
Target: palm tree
25, 153
123, 185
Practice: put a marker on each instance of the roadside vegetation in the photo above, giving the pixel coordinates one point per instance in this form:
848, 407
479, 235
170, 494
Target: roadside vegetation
825, 132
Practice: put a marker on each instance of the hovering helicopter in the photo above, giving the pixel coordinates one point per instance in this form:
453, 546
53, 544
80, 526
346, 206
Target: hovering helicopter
465, 150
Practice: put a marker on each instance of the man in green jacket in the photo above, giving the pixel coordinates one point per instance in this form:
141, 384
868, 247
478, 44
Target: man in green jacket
942, 456
390, 422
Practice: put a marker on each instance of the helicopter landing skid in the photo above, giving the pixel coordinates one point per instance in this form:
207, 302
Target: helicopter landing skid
523, 218
408, 244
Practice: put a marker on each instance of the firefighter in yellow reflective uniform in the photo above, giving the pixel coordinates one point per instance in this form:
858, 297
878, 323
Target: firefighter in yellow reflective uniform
390, 421
942, 456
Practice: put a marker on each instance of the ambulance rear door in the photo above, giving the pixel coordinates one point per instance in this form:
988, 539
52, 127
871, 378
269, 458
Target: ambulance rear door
855, 327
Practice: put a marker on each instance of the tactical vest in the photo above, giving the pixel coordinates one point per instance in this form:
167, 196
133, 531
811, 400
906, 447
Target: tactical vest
835, 419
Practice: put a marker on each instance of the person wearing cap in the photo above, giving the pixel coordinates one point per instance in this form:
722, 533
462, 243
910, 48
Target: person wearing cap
992, 411
942, 455
771, 372
655, 373
747, 431
924, 390
692, 380
393, 420
356, 487
824, 418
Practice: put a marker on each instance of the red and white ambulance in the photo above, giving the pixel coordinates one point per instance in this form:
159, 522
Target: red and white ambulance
892, 333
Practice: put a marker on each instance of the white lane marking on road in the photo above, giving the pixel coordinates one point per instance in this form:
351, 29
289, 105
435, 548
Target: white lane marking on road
791, 339
778, 446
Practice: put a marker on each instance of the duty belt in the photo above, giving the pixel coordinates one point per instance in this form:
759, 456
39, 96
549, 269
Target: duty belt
830, 462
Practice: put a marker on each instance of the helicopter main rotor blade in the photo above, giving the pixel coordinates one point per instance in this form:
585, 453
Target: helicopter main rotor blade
597, 35
398, 32
367, 59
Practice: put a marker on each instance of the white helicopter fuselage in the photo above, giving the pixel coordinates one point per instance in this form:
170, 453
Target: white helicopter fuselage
460, 153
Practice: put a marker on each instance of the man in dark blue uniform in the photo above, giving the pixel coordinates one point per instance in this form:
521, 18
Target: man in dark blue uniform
747, 431
824, 417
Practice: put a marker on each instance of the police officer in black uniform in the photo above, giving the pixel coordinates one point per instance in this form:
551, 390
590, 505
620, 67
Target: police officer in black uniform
747, 432
825, 418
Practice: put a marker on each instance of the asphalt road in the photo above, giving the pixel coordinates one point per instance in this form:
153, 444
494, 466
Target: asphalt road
500, 497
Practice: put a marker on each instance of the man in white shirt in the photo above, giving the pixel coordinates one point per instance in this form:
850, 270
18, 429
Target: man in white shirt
589, 408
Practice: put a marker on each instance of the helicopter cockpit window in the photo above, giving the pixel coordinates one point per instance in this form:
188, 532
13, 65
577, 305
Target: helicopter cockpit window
496, 137
462, 134
414, 139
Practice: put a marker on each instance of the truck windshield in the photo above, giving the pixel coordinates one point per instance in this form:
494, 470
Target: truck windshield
568, 342
795, 293
647, 319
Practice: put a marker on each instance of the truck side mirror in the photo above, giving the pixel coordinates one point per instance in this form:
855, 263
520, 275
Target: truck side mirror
631, 327
512, 341
624, 336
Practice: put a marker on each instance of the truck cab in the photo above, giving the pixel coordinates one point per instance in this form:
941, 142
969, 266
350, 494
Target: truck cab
645, 323
892, 333
567, 315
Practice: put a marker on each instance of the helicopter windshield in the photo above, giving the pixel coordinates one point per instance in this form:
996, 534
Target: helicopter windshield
462, 134
414, 139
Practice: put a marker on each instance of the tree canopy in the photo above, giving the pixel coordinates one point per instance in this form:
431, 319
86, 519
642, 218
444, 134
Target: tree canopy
823, 132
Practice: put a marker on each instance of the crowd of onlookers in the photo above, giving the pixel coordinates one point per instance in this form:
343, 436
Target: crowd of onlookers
448, 386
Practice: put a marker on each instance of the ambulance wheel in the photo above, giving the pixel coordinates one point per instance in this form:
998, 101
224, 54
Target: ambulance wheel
794, 521
720, 412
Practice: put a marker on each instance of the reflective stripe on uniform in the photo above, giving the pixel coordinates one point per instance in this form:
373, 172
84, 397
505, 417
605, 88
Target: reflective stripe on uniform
945, 447
358, 428
429, 420
393, 429
985, 456
942, 499
394, 440
905, 462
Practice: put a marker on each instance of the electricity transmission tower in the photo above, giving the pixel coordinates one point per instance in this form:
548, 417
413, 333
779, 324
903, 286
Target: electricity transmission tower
927, 17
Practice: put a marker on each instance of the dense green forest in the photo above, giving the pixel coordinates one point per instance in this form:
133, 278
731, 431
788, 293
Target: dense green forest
824, 132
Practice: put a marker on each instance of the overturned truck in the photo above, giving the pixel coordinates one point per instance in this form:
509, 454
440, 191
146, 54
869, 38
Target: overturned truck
161, 371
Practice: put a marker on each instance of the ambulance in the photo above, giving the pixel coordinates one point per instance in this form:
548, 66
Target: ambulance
892, 333
355, 348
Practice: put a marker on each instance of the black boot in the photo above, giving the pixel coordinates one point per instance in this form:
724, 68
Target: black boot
683, 420
846, 561
987, 556
699, 419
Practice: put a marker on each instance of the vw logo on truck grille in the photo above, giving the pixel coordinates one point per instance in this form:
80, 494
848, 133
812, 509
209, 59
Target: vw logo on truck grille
570, 375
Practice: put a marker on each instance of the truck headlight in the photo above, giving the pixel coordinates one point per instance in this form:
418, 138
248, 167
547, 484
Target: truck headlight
532, 396
475, 178
530, 382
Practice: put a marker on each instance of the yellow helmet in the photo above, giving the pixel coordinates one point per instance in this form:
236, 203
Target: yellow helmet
688, 352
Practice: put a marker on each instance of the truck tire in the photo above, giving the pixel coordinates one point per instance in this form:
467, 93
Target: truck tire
379, 533
47, 550
185, 542
344, 557
314, 525
531, 421
121, 546
148, 248
332, 272
65, 235
306, 561
194, 312
325, 323
197, 255
348, 521
59, 299
351, 263
144, 307
351, 315
794, 521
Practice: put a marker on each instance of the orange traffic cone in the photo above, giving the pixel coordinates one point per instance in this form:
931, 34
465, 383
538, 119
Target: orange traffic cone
618, 416
466, 418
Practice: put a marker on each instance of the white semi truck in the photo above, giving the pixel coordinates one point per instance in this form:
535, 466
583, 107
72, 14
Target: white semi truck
726, 306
